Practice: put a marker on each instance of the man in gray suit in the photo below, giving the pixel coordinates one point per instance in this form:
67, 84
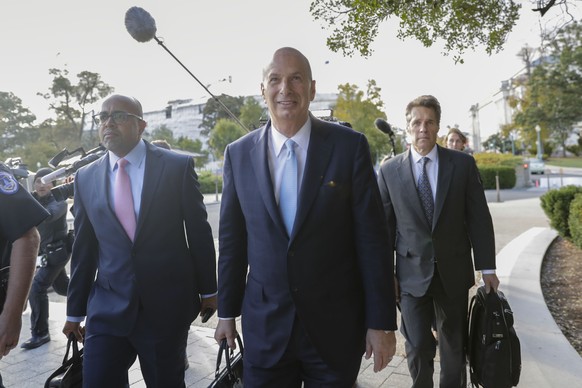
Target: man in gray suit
432, 235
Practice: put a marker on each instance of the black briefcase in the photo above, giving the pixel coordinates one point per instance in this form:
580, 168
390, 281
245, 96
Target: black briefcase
231, 376
70, 373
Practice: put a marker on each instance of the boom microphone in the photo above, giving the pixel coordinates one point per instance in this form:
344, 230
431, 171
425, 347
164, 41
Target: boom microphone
383, 126
140, 24
142, 27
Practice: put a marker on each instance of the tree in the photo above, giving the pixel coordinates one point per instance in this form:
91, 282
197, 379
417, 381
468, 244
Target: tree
553, 97
250, 113
225, 132
71, 101
361, 110
213, 111
460, 25
16, 125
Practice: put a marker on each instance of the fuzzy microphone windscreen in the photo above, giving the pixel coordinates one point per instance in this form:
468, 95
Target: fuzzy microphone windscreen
140, 24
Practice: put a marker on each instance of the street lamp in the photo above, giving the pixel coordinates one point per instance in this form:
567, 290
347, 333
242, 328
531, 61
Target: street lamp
540, 150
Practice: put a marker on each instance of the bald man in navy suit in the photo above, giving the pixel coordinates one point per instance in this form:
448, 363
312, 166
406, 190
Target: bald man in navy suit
317, 294
139, 288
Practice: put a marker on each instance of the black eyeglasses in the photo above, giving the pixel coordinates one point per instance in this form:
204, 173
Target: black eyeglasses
118, 117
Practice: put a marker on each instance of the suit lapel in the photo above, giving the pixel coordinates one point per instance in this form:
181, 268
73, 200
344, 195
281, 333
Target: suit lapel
446, 169
260, 162
153, 171
318, 156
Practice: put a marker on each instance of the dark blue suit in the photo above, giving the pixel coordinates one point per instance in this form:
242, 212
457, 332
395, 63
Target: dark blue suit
333, 275
153, 284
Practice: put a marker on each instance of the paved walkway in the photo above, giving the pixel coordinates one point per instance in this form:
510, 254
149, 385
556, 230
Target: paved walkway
522, 237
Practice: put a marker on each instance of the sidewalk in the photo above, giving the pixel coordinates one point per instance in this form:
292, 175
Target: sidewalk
522, 237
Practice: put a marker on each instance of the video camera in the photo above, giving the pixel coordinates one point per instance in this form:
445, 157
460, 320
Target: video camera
19, 170
68, 166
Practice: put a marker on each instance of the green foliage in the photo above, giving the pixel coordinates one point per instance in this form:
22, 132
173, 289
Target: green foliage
565, 162
16, 125
553, 97
360, 110
71, 101
250, 113
459, 25
575, 220
491, 159
556, 205
225, 132
208, 182
506, 174
213, 111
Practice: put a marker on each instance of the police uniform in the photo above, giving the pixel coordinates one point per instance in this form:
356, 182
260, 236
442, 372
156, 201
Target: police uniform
20, 212
53, 246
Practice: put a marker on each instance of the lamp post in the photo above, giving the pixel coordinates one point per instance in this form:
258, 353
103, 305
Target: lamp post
540, 150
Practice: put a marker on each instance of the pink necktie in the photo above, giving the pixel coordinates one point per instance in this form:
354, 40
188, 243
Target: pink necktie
123, 200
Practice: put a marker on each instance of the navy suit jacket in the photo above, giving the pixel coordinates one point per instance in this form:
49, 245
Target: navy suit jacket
333, 273
461, 223
170, 262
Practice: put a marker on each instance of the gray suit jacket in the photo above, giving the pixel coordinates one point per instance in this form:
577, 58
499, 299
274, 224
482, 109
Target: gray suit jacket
461, 222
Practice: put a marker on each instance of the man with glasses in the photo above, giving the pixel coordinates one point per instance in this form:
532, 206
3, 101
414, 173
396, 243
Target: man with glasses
143, 263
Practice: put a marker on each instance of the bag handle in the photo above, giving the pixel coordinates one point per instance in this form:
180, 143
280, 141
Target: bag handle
228, 357
75, 357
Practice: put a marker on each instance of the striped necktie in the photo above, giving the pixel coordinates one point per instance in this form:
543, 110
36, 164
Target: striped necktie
425, 192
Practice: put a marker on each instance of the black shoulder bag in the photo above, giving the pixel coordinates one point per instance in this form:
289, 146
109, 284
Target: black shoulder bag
70, 374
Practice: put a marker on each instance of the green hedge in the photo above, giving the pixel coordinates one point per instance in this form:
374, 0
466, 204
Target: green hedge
556, 205
507, 176
575, 220
208, 182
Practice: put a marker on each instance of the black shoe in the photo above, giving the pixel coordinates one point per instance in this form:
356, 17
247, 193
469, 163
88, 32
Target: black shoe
36, 341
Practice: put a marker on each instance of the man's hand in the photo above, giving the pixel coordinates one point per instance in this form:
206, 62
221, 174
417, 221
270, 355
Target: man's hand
226, 328
75, 328
491, 281
208, 307
383, 345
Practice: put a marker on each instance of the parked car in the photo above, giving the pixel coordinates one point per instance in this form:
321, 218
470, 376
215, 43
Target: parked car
536, 166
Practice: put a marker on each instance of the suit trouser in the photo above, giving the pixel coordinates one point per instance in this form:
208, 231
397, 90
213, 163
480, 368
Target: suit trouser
107, 358
451, 320
300, 366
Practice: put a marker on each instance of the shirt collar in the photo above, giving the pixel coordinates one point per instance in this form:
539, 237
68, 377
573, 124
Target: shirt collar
301, 137
135, 157
432, 155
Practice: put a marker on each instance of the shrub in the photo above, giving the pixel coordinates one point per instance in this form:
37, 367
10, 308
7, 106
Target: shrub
489, 159
556, 205
507, 176
208, 182
575, 220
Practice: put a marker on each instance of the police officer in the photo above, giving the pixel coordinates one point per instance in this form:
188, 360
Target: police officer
53, 248
19, 242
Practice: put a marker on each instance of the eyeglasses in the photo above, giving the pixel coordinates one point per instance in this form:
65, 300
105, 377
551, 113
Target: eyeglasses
118, 117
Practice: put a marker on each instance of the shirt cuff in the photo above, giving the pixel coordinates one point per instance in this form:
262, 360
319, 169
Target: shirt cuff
75, 319
488, 271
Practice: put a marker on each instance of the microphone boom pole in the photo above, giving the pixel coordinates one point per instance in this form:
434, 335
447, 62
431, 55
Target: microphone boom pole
232, 115
142, 27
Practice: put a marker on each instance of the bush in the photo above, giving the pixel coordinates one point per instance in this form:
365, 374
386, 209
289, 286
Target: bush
489, 159
208, 182
556, 205
575, 220
507, 177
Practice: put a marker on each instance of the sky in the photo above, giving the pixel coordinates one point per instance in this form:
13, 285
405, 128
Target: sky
218, 39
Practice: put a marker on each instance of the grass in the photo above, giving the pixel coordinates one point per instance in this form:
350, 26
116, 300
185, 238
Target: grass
565, 162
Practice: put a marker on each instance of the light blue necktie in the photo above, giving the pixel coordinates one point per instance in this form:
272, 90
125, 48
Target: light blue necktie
425, 192
288, 191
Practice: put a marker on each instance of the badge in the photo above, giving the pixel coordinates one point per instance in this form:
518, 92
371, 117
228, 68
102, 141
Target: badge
8, 184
